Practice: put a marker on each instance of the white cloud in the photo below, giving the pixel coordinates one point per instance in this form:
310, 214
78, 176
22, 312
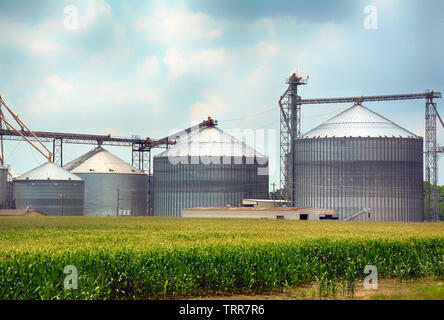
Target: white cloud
149, 96
264, 50
176, 62
210, 58
170, 25
179, 63
36, 40
150, 67
212, 106
95, 11
55, 82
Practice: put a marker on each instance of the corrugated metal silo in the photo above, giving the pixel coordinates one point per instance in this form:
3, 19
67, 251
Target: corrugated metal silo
359, 159
50, 189
207, 168
112, 186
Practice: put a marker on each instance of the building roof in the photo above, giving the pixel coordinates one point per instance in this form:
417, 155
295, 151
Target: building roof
266, 200
48, 171
246, 208
100, 160
358, 121
210, 142
20, 212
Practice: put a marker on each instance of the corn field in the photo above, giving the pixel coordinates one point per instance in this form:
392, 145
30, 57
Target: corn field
151, 258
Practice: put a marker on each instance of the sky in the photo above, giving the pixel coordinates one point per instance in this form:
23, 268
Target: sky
150, 68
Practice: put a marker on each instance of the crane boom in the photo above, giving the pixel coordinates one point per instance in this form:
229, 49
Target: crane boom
20, 132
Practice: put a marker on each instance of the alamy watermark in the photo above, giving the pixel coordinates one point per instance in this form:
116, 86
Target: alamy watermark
371, 17
70, 281
71, 21
232, 146
371, 280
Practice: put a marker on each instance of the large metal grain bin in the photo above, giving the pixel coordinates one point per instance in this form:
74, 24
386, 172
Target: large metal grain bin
207, 168
3, 186
50, 189
112, 186
359, 159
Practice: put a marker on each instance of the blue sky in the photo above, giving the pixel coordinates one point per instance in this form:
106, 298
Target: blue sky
151, 67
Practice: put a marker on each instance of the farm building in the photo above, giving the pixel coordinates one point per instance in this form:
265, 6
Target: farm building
260, 213
21, 213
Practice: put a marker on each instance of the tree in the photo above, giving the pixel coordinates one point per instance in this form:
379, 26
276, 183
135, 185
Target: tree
440, 205
277, 194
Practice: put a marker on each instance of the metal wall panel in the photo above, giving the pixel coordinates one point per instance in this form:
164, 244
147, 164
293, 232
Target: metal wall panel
109, 194
349, 174
45, 195
196, 184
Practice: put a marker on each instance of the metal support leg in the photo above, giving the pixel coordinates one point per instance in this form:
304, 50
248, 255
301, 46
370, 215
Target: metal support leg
57, 152
431, 162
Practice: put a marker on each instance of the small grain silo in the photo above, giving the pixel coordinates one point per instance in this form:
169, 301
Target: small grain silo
51, 190
207, 168
359, 159
112, 186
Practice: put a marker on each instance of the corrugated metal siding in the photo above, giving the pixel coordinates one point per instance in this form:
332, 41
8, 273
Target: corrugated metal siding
44, 195
101, 195
349, 174
194, 183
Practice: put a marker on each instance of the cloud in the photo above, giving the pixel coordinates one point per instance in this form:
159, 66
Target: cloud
169, 25
94, 12
176, 62
211, 58
264, 50
150, 67
55, 82
212, 106
35, 40
203, 61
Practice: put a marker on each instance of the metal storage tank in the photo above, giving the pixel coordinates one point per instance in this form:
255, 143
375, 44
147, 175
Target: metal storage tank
3, 186
207, 168
359, 159
50, 189
112, 186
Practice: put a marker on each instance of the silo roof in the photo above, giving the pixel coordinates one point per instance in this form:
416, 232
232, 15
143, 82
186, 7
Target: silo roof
358, 121
100, 160
48, 171
210, 142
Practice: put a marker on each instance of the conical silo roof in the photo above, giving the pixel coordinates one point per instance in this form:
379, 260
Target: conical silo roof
210, 142
358, 121
48, 171
100, 160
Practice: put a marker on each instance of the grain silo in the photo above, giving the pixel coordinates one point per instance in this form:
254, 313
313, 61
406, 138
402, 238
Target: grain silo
207, 168
112, 186
51, 190
359, 159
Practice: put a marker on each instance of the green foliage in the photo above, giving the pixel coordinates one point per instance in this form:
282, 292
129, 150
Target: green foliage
145, 258
440, 205
276, 195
